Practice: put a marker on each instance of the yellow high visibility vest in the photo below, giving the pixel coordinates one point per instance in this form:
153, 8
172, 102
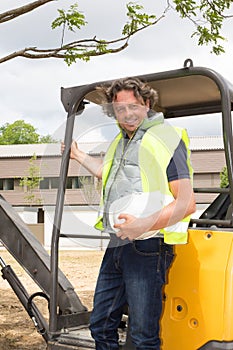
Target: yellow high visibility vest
156, 149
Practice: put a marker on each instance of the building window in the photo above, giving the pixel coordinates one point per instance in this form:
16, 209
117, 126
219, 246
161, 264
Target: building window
54, 182
69, 182
79, 181
44, 184
40, 216
49, 183
75, 182
72, 182
6, 184
86, 181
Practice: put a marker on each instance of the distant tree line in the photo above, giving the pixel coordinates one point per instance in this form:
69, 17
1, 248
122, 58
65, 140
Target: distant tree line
21, 132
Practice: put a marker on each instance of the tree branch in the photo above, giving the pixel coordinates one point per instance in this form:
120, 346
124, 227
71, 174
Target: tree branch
86, 51
81, 49
11, 14
218, 11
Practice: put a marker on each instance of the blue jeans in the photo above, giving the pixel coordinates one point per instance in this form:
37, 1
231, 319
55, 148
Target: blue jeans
132, 274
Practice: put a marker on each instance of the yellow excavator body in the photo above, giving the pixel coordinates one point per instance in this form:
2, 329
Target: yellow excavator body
198, 305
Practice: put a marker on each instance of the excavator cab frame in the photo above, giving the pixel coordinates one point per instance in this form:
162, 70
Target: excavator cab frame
188, 91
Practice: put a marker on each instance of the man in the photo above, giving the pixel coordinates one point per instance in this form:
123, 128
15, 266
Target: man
150, 159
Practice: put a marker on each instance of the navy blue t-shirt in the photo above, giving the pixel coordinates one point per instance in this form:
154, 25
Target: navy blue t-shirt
178, 168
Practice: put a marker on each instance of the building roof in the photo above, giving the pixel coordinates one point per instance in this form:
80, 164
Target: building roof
10, 151
47, 150
54, 149
205, 143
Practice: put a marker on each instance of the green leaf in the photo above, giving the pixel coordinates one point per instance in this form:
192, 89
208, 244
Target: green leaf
72, 18
224, 182
186, 7
137, 19
76, 53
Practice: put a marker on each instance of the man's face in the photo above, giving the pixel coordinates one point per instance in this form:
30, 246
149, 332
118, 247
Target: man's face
129, 110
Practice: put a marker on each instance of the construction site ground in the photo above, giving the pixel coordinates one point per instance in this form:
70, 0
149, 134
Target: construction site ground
16, 328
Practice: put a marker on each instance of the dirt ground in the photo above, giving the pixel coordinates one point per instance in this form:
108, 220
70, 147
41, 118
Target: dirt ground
16, 328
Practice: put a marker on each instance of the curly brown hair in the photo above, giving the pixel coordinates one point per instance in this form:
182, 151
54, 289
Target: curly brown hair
140, 89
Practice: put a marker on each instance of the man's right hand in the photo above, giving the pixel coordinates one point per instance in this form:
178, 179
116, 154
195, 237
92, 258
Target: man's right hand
92, 164
73, 149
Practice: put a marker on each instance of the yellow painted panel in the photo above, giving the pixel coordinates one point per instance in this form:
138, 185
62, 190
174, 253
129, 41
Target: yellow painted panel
199, 295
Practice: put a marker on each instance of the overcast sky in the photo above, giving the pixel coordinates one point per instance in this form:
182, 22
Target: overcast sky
30, 89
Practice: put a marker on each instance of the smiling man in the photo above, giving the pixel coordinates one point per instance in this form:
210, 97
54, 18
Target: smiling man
146, 166
129, 111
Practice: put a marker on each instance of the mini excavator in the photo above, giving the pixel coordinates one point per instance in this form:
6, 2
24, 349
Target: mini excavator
198, 299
